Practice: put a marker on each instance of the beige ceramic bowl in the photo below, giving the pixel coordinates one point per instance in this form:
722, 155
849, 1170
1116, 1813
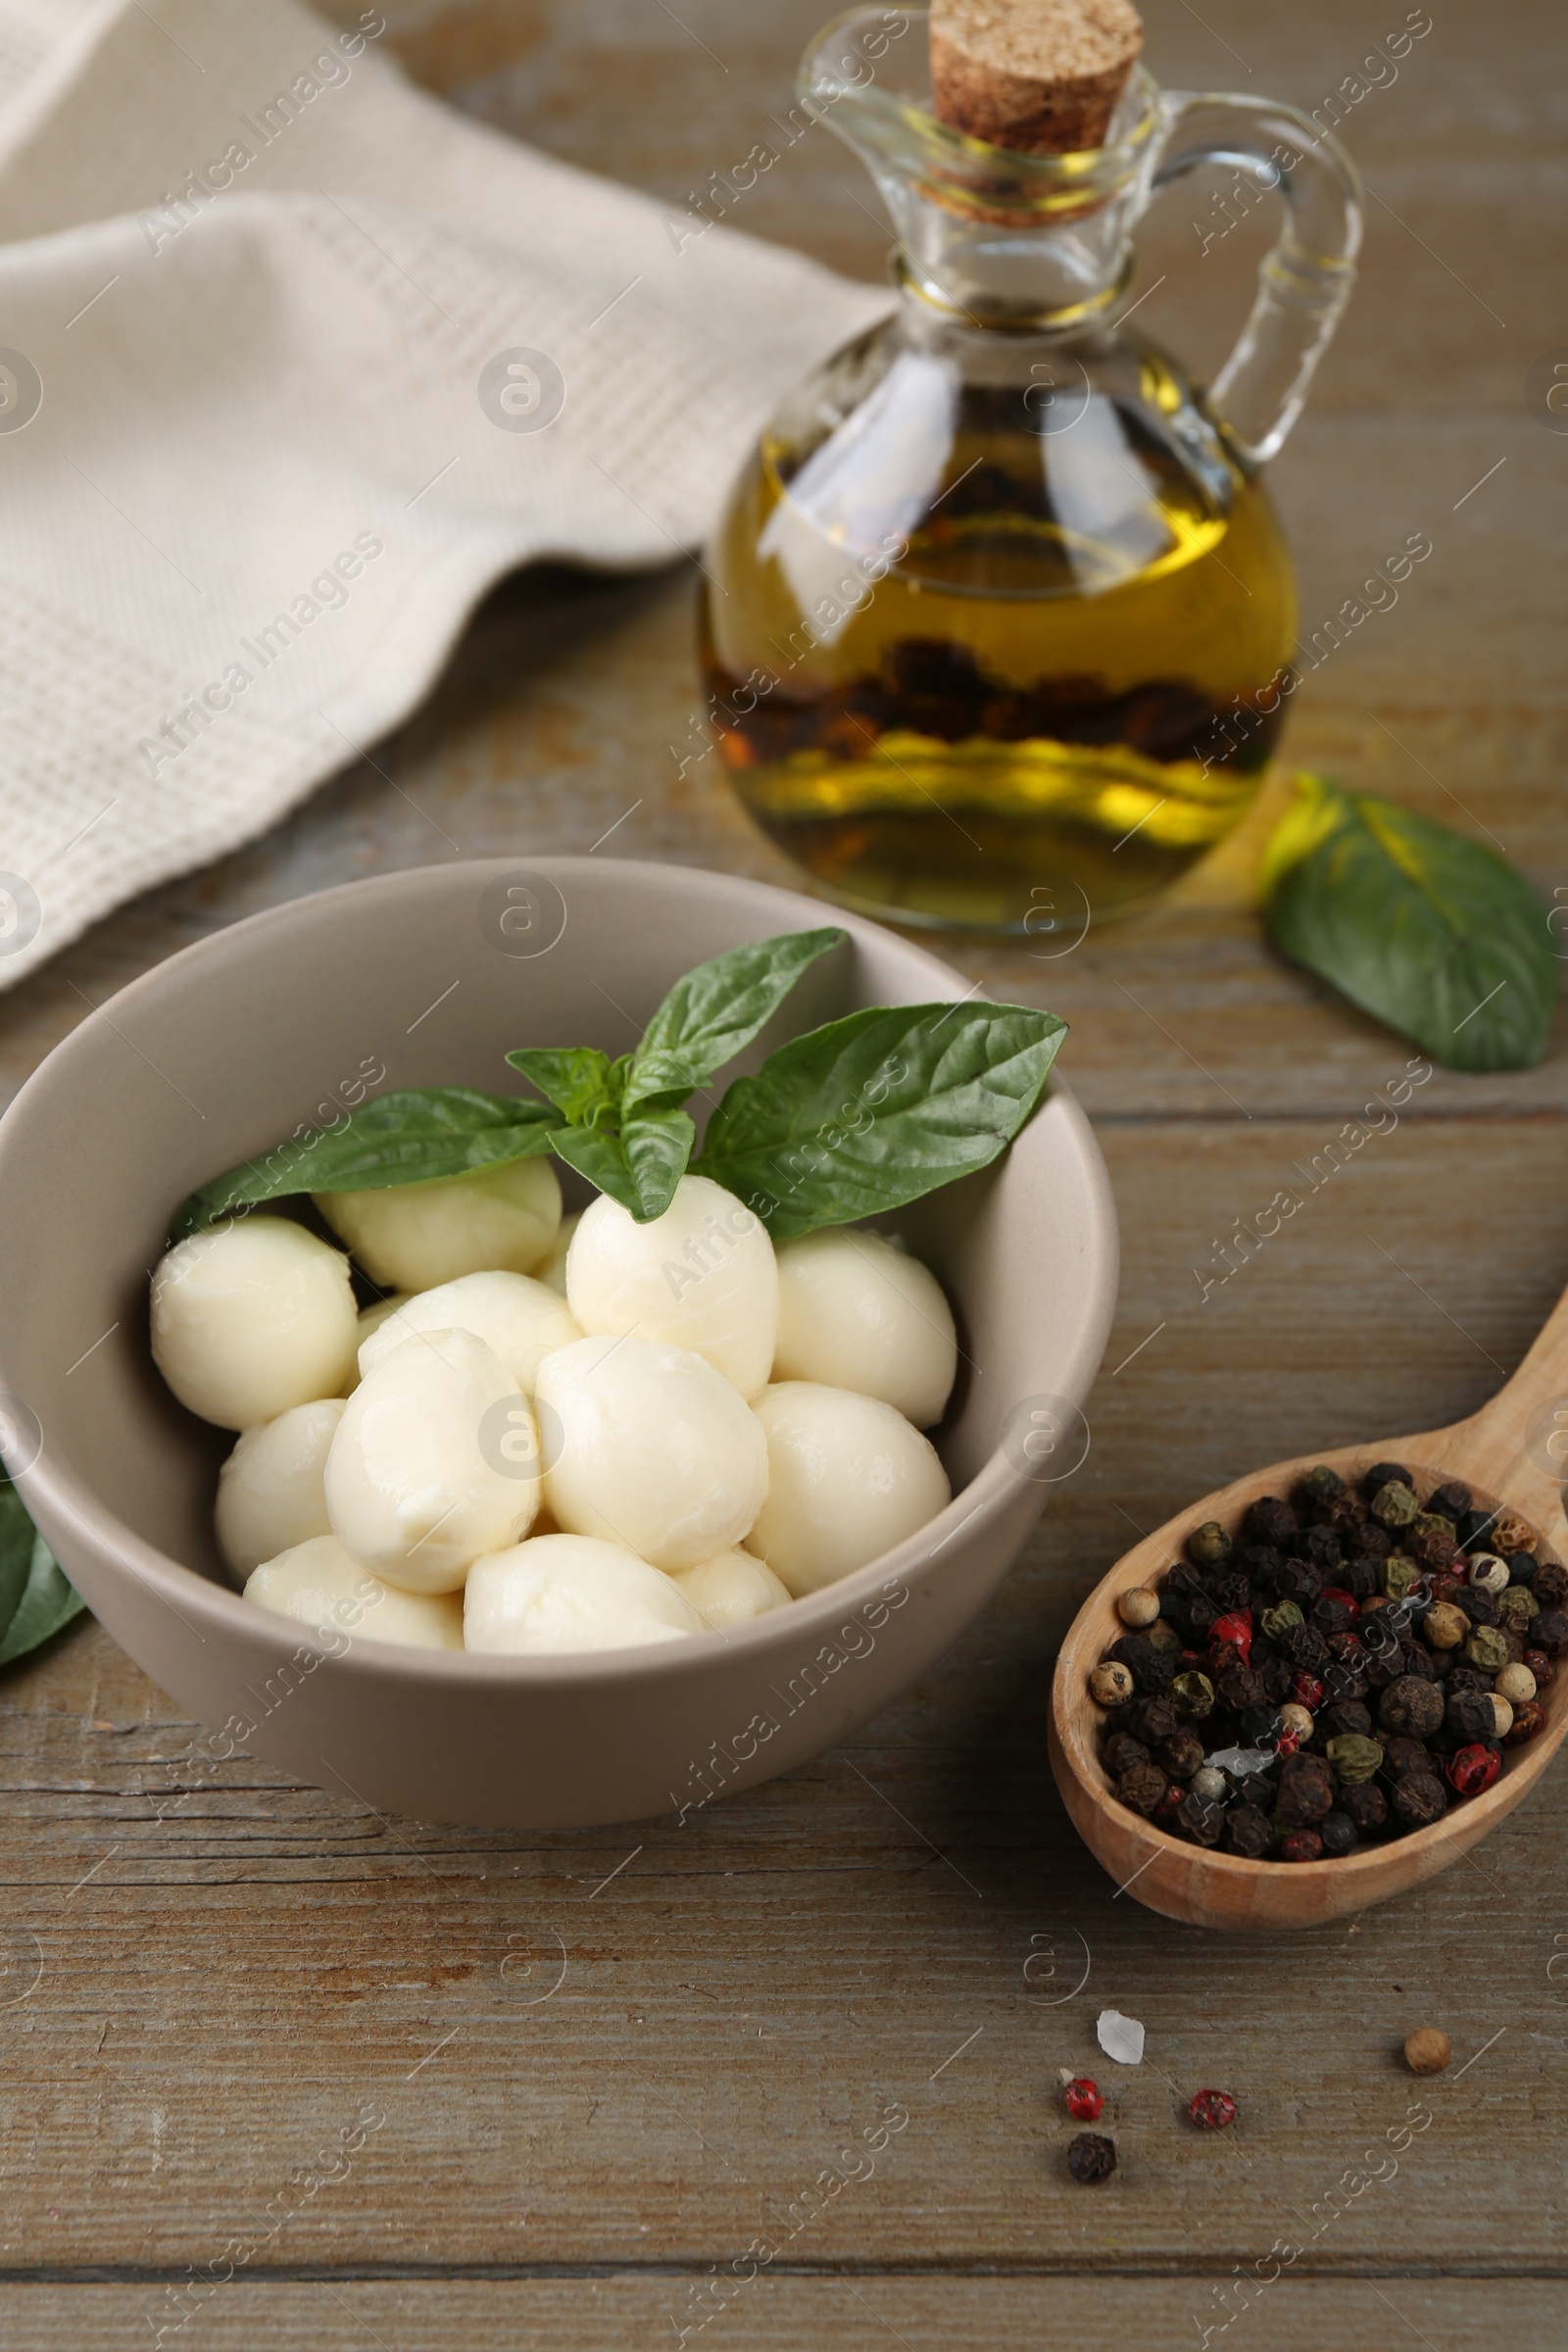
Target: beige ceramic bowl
227, 1048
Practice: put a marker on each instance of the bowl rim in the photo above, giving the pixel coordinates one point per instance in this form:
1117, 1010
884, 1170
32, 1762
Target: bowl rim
1069, 1709
996, 1489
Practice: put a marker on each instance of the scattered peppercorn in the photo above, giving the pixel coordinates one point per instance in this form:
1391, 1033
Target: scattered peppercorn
1083, 2100
1383, 1652
1091, 2157
1427, 2050
1212, 2110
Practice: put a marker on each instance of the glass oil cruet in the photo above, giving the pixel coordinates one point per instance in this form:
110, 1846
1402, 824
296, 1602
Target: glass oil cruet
1000, 618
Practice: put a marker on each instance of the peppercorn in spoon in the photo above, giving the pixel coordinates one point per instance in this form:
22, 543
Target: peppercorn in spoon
1328, 1798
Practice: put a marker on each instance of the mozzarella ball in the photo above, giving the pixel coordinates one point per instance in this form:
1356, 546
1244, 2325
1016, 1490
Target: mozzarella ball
412, 1236
436, 1459
650, 1448
854, 1313
731, 1588
516, 1316
319, 1585
701, 1276
251, 1319
370, 1318
271, 1493
848, 1479
570, 1593
551, 1267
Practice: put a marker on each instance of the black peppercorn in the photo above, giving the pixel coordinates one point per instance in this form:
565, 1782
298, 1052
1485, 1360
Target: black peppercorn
1262, 1565
1306, 1792
1366, 1806
1550, 1630
1229, 1589
1411, 1707
1451, 1501
1383, 1474
1300, 1845
1548, 1584
1306, 1648
1430, 1542
1279, 1678
1248, 1832
1479, 1607
1339, 1832
1343, 1678
1522, 1569
1298, 1581
1467, 1678
1181, 1753
1257, 1727
1239, 1689
1200, 1820
1371, 1542
1142, 1788
1320, 1546
1121, 1753
1269, 1521
1151, 1669
1343, 1715
1473, 1529
1420, 1665
1152, 1720
1200, 1613
1357, 1575
1402, 1755
1344, 1512
1419, 1799
1092, 2157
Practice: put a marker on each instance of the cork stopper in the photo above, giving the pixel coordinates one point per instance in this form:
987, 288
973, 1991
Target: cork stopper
1041, 77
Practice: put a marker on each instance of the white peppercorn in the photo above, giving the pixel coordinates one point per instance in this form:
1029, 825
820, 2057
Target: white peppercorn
1138, 1607
1487, 1574
1110, 1685
1515, 1683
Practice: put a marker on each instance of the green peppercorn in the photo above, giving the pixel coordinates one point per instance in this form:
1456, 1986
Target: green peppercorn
1163, 1637
1394, 1505
1399, 1574
1194, 1694
1354, 1759
1208, 1546
1517, 1603
1278, 1619
1488, 1649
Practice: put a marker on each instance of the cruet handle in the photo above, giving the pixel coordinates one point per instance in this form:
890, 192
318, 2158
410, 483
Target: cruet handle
1304, 281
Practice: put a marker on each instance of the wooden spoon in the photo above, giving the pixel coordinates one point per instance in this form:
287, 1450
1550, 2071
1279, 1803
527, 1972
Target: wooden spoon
1501, 1453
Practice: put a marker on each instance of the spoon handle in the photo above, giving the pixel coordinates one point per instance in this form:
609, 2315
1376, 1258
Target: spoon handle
1516, 1447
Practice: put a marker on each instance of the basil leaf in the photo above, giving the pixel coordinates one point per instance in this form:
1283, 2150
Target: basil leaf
35, 1599
875, 1109
640, 1168
1431, 932
578, 1080
717, 1009
658, 1144
404, 1138
600, 1158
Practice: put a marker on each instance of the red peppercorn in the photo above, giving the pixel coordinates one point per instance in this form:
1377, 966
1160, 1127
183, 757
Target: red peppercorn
1234, 1627
1169, 1803
1473, 1769
1286, 1743
1083, 2100
1212, 2110
1301, 1845
1337, 1593
1308, 1692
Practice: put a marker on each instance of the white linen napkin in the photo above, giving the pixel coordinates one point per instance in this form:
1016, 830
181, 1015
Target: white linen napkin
295, 362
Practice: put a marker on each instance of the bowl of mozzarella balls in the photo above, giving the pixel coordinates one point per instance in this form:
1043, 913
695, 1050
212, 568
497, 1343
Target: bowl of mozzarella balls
680, 1419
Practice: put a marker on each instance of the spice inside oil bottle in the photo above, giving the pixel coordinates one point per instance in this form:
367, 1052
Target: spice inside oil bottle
1007, 655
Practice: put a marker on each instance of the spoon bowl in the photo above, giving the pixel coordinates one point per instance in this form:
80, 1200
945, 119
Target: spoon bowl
1501, 1454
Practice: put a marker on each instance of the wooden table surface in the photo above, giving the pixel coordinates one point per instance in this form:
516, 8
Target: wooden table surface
590, 2071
